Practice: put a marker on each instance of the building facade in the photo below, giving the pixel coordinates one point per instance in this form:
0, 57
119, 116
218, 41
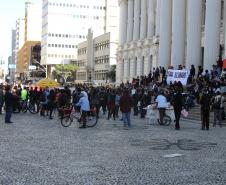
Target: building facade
20, 33
95, 58
65, 24
169, 33
32, 36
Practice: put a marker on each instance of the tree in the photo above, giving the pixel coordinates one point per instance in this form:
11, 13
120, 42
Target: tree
112, 73
65, 71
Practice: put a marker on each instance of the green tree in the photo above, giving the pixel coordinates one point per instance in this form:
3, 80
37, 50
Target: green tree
65, 71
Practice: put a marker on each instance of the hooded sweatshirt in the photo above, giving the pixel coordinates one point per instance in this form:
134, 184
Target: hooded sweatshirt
84, 102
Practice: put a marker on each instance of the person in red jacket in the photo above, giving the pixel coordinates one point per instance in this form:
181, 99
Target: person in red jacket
125, 107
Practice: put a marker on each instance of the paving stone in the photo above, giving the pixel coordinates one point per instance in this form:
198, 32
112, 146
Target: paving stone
36, 150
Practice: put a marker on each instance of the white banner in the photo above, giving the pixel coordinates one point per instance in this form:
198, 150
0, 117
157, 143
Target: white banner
178, 75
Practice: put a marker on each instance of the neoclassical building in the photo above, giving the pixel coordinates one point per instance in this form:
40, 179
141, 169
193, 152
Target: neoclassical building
169, 33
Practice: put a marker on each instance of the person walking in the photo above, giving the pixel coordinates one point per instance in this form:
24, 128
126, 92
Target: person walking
205, 102
125, 107
8, 105
177, 106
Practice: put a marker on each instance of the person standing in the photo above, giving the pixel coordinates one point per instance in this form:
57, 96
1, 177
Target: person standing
1, 98
9, 99
177, 106
205, 102
161, 105
125, 107
85, 107
218, 108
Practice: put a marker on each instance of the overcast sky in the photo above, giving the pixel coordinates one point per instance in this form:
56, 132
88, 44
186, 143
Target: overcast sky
10, 10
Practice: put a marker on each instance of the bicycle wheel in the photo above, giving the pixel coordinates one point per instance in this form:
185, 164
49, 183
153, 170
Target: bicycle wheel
33, 108
66, 121
166, 120
24, 107
92, 119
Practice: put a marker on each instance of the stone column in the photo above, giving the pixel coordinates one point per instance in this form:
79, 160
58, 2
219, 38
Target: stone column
139, 66
119, 70
143, 24
151, 18
146, 65
212, 33
130, 21
126, 68
136, 25
157, 17
178, 33
165, 33
194, 33
123, 21
132, 68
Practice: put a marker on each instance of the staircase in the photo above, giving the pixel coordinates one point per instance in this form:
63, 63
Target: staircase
195, 115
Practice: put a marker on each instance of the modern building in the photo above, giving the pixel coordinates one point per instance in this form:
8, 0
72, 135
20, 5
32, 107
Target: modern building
169, 33
20, 33
32, 36
95, 58
65, 24
12, 61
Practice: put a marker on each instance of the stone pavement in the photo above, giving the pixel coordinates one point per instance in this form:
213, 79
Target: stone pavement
35, 150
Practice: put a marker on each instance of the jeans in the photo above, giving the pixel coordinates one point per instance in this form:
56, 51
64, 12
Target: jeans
8, 114
217, 116
126, 119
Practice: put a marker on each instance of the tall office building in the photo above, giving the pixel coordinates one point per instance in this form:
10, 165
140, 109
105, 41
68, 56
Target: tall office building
32, 36
65, 24
20, 33
169, 33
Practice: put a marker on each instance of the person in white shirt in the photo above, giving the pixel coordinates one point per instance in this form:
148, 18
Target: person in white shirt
161, 105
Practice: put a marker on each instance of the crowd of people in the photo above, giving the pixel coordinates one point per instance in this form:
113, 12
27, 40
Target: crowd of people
204, 88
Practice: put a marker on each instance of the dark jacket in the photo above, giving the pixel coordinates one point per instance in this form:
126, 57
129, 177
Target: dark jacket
9, 99
178, 101
125, 103
205, 102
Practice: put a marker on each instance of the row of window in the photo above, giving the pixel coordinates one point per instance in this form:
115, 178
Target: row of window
80, 63
61, 56
76, 6
81, 76
66, 35
82, 51
102, 45
102, 59
62, 46
101, 75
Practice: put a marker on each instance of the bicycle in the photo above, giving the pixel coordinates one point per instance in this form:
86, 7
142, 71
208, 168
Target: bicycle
67, 117
25, 106
153, 113
166, 121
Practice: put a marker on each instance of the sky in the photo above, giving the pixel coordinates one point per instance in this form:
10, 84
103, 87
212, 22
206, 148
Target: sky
10, 11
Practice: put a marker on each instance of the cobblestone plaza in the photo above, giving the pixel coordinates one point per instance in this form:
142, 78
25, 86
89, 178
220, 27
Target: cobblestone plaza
34, 150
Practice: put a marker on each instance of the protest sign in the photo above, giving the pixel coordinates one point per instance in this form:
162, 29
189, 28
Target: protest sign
178, 75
